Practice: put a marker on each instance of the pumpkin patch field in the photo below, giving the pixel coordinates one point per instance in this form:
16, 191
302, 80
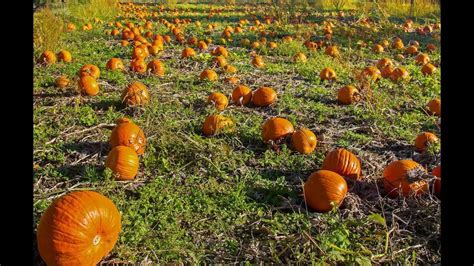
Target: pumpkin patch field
211, 133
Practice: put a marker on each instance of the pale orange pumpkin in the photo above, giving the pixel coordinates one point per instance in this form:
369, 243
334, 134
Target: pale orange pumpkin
304, 141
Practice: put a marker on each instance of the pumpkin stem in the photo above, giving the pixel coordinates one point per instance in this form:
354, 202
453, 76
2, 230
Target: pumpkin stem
96, 240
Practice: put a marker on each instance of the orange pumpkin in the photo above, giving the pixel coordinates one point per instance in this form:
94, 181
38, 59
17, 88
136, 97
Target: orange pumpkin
399, 73
382, 63
135, 94
411, 50
88, 85
241, 95
48, 58
115, 32
219, 100
431, 47
272, 45
343, 162
348, 94
188, 52
155, 49
323, 190
332, 51
264, 96
115, 64
124, 43
217, 124
299, 57
232, 80
139, 52
257, 62
209, 75
65, 56
71, 27
138, 65
123, 161
327, 74
79, 228
156, 68
202, 45
220, 61
62, 82
403, 178
428, 69
378, 49
425, 139
397, 44
230, 69
89, 70
370, 73
220, 51
127, 133
422, 59
304, 141
434, 106
275, 129
437, 183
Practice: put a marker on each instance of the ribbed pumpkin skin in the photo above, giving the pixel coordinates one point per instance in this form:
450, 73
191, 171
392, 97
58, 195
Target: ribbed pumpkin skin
156, 68
123, 161
423, 140
115, 64
65, 56
395, 178
68, 228
348, 94
215, 124
219, 100
88, 85
343, 162
382, 63
136, 94
276, 128
89, 70
322, 188
241, 95
130, 135
304, 141
264, 96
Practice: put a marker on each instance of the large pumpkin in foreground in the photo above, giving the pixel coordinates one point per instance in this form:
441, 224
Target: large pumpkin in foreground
403, 177
79, 228
324, 188
342, 162
275, 129
127, 133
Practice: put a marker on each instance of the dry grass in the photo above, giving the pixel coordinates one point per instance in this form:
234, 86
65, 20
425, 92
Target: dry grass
104, 9
47, 30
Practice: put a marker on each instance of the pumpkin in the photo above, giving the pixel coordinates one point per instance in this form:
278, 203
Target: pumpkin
156, 68
127, 133
327, 74
61, 82
88, 85
123, 161
48, 58
220, 61
230, 69
138, 65
382, 63
257, 62
397, 44
264, 96
89, 70
343, 162
79, 228
232, 80
124, 43
272, 45
310, 45
414, 43
428, 69
304, 141
385, 43
276, 129
127, 34
202, 45
411, 50
241, 95
115, 64
387, 71
431, 47
370, 73
65, 56
140, 52
378, 48
287, 39
245, 42
135, 94
348, 94
324, 189
423, 140
216, 124
71, 26
219, 100
399, 73
209, 75
422, 59
332, 51
220, 51
434, 106
155, 49
255, 45
299, 57
115, 32
188, 52
403, 178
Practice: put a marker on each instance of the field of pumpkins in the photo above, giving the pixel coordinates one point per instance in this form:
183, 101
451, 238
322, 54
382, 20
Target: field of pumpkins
221, 134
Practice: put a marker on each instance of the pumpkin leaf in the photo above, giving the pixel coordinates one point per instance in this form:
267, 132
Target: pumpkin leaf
378, 219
